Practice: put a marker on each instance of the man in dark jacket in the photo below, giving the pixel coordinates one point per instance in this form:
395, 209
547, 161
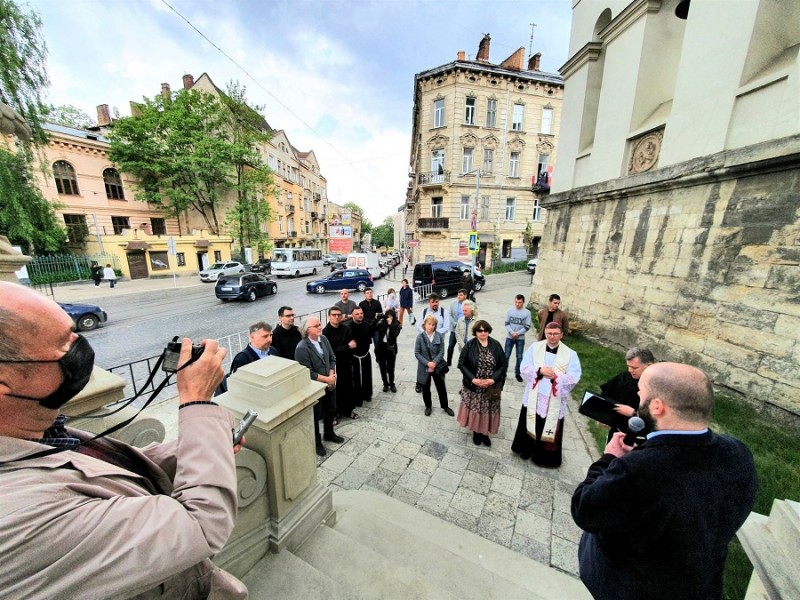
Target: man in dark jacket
341, 340
260, 346
624, 388
286, 336
406, 302
361, 358
657, 519
315, 353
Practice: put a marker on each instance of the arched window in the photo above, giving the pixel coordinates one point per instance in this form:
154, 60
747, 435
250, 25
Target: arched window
113, 184
66, 181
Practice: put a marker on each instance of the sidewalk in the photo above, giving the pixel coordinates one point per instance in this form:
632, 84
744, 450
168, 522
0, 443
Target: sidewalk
82, 291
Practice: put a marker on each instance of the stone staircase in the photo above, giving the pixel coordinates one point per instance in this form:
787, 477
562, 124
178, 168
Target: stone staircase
380, 547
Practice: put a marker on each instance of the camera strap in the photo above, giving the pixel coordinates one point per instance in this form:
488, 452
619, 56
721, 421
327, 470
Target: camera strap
118, 426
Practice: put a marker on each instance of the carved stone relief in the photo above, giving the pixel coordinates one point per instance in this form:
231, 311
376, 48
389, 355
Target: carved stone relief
645, 151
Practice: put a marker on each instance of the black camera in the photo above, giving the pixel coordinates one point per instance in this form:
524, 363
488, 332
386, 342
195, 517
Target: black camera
172, 354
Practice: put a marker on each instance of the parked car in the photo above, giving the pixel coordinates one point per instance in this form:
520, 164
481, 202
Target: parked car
85, 316
346, 279
262, 265
338, 263
445, 276
244, 286
213, 272
532, 265
328, 259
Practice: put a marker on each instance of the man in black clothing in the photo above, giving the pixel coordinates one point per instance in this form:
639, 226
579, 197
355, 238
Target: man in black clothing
341, 340
624, 388
372, 308
658, 519
286, 336
260, 346
361, 358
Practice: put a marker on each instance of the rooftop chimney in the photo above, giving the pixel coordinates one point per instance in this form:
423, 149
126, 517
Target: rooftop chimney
165, 92
103, 115
188, 81
483, 49
533, 62
462, 55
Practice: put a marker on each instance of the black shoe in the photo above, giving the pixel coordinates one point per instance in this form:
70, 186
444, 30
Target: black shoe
519, 378
332, 437
321, 449
486, 441
449, 411
476, 438
385, 388
418, 389
392, 387
427, 411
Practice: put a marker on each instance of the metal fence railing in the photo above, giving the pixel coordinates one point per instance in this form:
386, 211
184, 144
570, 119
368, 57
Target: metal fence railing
54, 268
136, 373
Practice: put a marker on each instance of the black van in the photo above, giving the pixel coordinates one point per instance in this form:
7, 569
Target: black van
444, 275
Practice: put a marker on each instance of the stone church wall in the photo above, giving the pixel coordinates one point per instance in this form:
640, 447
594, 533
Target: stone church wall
698, 261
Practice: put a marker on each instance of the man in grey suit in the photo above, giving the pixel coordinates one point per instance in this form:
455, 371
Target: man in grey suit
315, 353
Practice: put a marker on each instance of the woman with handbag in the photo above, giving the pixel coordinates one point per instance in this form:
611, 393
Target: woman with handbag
483, 364
387, 329
429, 351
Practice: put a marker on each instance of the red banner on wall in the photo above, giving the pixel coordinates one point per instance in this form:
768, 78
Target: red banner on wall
340, 245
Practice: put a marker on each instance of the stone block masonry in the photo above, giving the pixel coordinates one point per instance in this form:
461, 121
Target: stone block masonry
700, 261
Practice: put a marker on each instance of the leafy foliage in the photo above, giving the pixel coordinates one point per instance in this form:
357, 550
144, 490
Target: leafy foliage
248, 132
26, 217
69, 115
181, 153
383, 234
23, 69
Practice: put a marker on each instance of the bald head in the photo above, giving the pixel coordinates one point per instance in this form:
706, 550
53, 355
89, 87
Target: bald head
28, 319
683, 388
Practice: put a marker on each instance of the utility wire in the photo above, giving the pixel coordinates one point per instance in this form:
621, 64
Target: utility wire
275, 98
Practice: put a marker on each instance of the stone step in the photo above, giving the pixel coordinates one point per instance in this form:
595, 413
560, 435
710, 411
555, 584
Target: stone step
288, 577
362, 572
446, 556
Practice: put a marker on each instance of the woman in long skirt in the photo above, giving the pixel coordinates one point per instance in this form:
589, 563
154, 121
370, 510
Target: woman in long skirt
483, 364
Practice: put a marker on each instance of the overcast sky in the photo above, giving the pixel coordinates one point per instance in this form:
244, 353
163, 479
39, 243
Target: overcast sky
336, 76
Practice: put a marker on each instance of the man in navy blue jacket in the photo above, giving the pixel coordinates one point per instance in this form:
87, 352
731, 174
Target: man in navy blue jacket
657, 519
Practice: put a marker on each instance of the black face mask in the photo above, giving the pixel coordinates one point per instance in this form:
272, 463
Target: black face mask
76, 365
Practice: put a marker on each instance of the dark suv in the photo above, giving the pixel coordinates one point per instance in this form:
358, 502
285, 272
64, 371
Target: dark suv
445, 276
261, 266
244, 286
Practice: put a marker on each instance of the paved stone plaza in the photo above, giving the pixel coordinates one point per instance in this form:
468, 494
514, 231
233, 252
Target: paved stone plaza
431, 462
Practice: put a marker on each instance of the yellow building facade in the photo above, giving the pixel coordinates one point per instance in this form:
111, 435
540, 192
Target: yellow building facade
501, 120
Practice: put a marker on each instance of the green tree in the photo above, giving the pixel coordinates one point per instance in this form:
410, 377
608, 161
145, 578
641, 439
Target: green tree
383, 234
69, 115
26, 217
179, 150
23, 65
248, 132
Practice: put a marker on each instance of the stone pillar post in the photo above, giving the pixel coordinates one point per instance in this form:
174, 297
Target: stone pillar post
280, 500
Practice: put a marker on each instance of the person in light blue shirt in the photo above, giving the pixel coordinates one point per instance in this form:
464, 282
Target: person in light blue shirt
518, 322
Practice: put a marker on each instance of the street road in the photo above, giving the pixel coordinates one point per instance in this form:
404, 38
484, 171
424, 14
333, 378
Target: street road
140, 325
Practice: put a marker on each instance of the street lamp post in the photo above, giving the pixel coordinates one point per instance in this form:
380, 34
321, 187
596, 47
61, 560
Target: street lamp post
474, 220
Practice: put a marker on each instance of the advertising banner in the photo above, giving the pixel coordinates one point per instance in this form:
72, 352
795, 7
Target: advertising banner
340, 230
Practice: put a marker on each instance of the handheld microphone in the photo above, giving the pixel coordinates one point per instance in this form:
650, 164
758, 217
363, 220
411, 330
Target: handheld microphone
635, 425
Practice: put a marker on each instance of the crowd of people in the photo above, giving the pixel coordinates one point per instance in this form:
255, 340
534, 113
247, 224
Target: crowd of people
667, 507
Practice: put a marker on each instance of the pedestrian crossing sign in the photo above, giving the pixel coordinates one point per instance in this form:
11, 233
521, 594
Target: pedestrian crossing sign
474, 243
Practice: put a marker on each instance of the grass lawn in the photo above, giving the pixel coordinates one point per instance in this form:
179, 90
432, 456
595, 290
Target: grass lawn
775, 450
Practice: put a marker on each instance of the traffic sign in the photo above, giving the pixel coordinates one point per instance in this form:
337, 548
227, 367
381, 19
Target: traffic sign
474, 243
413, 243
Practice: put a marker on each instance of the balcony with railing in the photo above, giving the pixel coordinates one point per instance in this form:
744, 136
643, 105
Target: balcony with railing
317, 197
314, 215
292, 234
436, 178
433, 224
289, 209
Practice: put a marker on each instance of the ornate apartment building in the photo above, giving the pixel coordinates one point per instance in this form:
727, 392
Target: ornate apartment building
102, 216
487, 126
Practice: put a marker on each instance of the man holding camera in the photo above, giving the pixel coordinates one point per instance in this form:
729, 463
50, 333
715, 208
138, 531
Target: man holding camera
657, 519
85, 518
